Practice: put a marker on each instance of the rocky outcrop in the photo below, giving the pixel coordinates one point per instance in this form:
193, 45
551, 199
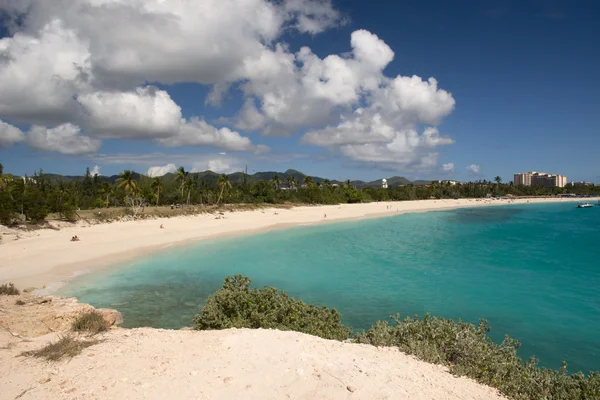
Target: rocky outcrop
29, 315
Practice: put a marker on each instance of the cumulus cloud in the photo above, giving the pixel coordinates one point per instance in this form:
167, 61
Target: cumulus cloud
88, 64
380, 116
95, 170
448, 168
197, 132
161, 170
221, 165
9, 134
474, 170
144, 113
65, 139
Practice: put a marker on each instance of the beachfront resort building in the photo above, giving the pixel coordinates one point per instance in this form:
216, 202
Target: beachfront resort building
540, 179
384, 184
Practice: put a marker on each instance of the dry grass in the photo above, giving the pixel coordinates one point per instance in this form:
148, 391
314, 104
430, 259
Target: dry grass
9, 289
20, 303
90, 322
66, 346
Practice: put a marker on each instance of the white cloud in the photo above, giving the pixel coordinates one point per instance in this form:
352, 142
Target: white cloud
65, 139
40, 73
161, 170
69, 55
448, 168
196, 132
301, 89
9, 134
95, 170
144, 113
88, 63
474, 170
379, 115
221, 165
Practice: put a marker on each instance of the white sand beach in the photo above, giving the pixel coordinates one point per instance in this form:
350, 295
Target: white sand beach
47, 257
149, 363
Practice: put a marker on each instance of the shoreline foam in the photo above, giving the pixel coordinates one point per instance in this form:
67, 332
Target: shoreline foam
49, 259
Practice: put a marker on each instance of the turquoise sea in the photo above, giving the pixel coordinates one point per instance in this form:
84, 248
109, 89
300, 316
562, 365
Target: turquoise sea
533, 271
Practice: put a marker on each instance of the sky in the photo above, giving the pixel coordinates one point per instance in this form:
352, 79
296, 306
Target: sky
343, 89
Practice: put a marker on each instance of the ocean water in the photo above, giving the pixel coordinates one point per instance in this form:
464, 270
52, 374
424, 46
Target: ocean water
533, 271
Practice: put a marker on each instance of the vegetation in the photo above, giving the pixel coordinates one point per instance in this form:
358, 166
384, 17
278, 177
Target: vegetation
9, 289
235, 305
33, 198
465, 348
20, 303
468, 351
91, 322
66, 346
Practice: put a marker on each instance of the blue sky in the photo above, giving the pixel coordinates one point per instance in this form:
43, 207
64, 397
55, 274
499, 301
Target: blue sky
520, 74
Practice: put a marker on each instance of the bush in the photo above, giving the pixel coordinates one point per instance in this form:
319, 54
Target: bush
66, 346
9, 289
467, 350
8, 212
20, 303
91, 322
235, 305
68, 212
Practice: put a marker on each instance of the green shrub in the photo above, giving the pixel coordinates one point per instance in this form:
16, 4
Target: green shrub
9, 289
468, 350
91, 322
235, 305
68, 212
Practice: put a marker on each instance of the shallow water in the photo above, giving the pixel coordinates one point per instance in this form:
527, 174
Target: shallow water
532, 271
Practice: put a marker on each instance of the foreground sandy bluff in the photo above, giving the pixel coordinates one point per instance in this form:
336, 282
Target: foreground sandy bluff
261, 364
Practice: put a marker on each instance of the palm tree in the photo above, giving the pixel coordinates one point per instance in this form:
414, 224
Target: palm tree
189, 185
127, 182
106, 189
498, 180
3, 180
157, 185
292, 182
276, 182
223, 183
308, 182
181, 175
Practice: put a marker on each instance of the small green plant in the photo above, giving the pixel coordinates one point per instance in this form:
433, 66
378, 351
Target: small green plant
90, 322
66, 346
9, 289
468, 350
235, 305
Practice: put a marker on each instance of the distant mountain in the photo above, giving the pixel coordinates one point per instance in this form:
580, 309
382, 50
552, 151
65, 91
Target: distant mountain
238, 177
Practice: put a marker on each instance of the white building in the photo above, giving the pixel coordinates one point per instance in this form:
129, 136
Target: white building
384, 184
540, 179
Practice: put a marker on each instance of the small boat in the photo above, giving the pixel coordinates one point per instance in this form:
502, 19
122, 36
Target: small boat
585, 205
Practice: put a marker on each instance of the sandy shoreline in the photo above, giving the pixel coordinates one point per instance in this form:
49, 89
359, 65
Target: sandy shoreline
49, 258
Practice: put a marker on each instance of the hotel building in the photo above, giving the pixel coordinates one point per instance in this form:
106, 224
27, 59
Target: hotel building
540, 179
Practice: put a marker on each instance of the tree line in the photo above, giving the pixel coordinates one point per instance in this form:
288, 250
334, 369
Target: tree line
32, 198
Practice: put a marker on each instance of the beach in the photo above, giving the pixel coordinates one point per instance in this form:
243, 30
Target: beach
46, 257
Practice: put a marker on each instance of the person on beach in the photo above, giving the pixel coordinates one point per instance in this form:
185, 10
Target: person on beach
161, 226
324, 215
